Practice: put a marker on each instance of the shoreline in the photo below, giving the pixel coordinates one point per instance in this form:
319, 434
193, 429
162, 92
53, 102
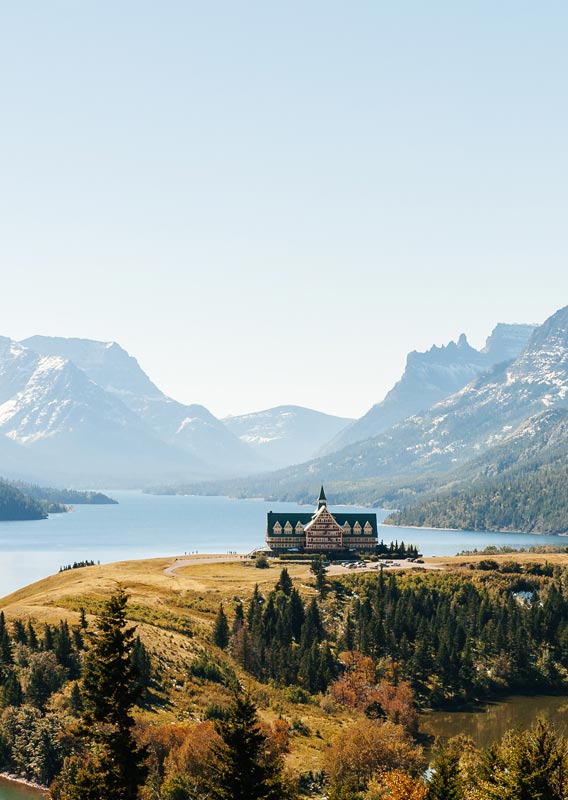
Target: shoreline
9, 776
468, 530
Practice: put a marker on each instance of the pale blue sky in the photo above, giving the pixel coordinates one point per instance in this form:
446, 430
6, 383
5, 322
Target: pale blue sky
272, 202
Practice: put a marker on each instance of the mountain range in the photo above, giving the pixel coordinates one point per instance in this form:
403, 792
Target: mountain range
431, 376
493, 420
86, 409
84, 412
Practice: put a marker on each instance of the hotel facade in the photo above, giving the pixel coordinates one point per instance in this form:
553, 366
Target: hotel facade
322, 531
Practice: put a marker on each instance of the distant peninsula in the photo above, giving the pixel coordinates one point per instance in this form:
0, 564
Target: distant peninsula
24, 501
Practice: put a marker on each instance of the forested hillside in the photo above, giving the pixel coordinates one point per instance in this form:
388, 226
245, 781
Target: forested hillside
71, 496
15, 505
530, 501
339, 666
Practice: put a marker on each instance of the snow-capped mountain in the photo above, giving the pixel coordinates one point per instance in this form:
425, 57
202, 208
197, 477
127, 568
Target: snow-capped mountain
187, 427
463, 426
286, 434
65, 420
430, 377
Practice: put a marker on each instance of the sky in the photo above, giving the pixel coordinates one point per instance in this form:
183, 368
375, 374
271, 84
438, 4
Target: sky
271, 203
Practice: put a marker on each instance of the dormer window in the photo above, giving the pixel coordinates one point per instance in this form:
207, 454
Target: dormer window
368, 528
357, 528
288, 528
299, 527
346, 528
277, 528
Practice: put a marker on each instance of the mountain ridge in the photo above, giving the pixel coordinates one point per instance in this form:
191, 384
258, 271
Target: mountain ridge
286, 434
431, 376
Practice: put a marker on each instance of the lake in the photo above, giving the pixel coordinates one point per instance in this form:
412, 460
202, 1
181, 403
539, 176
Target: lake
488, 723
10, 790
146, 526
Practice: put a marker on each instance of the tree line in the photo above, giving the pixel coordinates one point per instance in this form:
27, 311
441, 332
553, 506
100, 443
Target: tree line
529, 501
453, 637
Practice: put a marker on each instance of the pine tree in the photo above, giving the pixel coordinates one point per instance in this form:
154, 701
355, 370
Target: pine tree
445, 782
32, 636
11, 692
239, 619
75, 698
221, 629
319, 570
110, 689
284, 582
243, 769
142, 667
19, 633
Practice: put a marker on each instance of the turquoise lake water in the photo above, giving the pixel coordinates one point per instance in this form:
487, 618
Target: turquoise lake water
143, 526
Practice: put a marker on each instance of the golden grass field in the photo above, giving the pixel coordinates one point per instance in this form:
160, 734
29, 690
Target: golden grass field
164, 607
174, 602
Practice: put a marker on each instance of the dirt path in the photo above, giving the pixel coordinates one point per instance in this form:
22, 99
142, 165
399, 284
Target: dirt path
196, 560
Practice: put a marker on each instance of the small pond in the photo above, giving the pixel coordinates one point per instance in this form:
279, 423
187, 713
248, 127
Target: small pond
488, 722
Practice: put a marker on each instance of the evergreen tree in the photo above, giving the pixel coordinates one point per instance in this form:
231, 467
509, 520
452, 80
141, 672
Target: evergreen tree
11, 692
239, 619
319, 570
445, 781
284, 582
75, 699
19, 633
110, 689
221, 629
47, 643
243, 769
32, 636
142, 667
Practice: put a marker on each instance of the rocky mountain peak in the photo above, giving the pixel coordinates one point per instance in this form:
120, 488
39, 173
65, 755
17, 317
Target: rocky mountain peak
106, 363
507, 341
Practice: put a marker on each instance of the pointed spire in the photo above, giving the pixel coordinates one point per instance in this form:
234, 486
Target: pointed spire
322, 501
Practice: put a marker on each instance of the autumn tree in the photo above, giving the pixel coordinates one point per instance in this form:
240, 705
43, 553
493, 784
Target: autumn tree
397, 785
366, 751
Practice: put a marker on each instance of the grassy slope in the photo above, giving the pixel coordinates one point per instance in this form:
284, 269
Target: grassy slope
165, 605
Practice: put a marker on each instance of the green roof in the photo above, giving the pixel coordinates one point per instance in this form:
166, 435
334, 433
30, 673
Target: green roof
340, 517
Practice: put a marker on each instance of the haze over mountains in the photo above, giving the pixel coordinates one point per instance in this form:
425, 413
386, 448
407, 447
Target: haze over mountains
497, 419
431, 376
286, 434
467, 423
85, 412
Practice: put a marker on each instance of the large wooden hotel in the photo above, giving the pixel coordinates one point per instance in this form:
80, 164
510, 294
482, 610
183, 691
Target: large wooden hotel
322, 531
